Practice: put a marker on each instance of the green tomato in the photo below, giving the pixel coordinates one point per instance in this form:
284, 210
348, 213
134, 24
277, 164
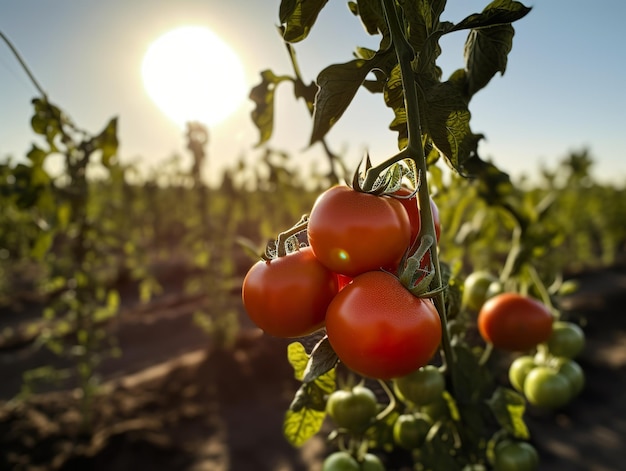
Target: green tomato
340, 461
567, 340
475, 289
494, 289
423, 386
545, 387
371, 463
574, 374
352, 410
515, 456
410, 430
518, 371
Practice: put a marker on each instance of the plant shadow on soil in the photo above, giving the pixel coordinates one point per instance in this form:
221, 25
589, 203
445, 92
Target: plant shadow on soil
173, 401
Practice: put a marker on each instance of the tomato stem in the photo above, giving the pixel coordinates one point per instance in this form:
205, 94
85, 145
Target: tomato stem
281, 245
415, 151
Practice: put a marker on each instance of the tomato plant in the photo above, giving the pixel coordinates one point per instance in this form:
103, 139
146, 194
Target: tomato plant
352, 232
288, 296
514, 322
379, 329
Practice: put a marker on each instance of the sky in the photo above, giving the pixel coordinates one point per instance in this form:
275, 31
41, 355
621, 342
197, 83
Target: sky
563, 90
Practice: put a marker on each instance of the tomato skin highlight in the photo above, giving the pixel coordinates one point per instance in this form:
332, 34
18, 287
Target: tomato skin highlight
513, 322
352, 232
287, 297
379, 329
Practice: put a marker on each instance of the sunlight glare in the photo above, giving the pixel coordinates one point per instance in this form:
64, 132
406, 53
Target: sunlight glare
192, 75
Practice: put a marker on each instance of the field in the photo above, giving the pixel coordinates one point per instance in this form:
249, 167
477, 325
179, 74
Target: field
194, 385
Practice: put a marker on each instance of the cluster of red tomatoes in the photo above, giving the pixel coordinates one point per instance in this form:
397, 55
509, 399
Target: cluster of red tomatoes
343, 281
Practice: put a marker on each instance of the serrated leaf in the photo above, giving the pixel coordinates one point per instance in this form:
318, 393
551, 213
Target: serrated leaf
263, 96
338, 84
298, 17
486, 52
508, 408
372, 16
322, 359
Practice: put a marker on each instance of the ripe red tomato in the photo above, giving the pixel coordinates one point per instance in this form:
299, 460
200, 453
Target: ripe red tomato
514, 322
288, 296
352, 232
379, 329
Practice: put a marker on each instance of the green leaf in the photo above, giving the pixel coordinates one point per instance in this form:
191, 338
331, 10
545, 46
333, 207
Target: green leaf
298, 17
308, 408
338, 84
446, 121
373, 19
263, 96
299, 426
42, 245
107, 142
486, 52
322, 359
498, 12
298, 359
508, 408
394, 99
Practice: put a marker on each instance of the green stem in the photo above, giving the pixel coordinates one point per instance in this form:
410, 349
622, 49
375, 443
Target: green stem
22, 62
281, 246
415, 151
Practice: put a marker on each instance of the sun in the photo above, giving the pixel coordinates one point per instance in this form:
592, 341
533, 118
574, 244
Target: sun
192, 75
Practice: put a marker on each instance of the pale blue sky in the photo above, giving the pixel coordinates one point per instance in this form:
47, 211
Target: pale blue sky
563, 89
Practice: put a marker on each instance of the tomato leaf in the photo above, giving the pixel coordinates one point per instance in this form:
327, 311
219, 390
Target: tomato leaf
263, 97
298, 17
323, 359
508, 408
299, 426
308, 408
498, 12
107, 142
338, 84
486, 52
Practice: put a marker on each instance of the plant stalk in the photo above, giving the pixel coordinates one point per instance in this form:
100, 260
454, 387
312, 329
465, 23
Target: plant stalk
415, 151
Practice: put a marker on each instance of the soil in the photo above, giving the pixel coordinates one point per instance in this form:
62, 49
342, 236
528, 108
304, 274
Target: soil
176, 401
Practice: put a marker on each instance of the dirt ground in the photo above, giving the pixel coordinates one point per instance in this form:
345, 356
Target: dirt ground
175, 402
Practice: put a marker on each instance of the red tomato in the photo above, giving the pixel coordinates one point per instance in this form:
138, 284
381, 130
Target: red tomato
288, 296
379, 329
411, 207
514, 322
343, 281
353, 232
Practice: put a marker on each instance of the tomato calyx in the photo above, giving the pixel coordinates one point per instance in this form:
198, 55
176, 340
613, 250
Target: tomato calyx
386, 178
287, 241
416, 271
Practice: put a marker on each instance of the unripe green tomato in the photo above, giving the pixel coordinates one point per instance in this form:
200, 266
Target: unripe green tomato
410, 430
518, 371
371, 463
545, 387
475, 289
574, 374
567, 340
494, 289
515, 456
421, 387
352, 410
340, 461
437, 410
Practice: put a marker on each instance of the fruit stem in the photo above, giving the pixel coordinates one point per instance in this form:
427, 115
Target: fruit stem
281, 246
415, 151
